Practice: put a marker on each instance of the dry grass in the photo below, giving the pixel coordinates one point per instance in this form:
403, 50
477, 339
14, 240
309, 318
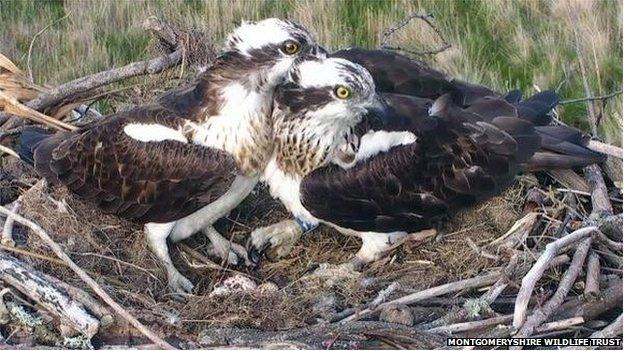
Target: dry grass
116, 254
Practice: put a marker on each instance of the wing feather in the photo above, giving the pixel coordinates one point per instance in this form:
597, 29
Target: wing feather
141, 181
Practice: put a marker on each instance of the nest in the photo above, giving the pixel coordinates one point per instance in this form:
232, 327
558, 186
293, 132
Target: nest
471, 271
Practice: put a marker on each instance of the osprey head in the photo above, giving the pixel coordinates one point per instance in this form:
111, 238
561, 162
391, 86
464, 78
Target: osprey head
330, 92
273, 45
320, 104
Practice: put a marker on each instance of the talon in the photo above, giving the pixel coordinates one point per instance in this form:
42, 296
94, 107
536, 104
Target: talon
255, 254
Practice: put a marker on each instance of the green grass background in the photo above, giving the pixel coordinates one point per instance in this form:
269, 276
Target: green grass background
537, 44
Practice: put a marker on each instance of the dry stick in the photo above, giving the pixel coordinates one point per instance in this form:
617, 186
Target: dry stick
87, 279
14, 107
466, 326
592, 289
87, 300
542, 314
52, 297
8, 151
470, 283
538, 269
560, 325
610, 331
591, 98
605, 148
388, 33
609, 298
601, 205
513, 269
89, 83
7, 228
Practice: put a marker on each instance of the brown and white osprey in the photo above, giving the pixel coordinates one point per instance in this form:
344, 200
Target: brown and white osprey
431, 159
182, 163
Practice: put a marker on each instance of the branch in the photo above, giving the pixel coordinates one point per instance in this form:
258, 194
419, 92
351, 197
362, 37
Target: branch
470, 283
601, 205
591, 98
592, 278
542, 314
538, 269
605, 148
33, 284
87, 279
88, 85
320, 336
14, 107
388, 33
610, 331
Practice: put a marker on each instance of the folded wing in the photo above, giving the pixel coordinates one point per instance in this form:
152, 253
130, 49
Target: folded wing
159, 179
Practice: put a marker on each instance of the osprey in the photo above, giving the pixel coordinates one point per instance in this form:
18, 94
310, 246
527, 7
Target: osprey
180, 164
431, 159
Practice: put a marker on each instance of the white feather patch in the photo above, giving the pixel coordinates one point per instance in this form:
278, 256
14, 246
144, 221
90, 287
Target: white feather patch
153, 132
285, 187
373, 143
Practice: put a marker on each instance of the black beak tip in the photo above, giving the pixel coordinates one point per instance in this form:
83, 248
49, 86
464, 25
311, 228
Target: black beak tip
380, 114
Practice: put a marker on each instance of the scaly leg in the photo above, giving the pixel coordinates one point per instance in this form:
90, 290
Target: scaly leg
230, 252
157, 234
377, 245
274, 241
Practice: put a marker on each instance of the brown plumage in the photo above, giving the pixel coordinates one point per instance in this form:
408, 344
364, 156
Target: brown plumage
140, 181
461, 157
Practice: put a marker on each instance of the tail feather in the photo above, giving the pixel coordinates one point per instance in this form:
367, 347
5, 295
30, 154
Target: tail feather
29, 140
514, 96
549, 160
536, 108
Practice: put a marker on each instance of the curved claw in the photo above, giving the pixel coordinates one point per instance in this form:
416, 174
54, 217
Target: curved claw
256, 254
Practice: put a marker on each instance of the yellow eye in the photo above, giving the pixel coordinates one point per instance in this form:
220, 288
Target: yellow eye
342, 92
290, 47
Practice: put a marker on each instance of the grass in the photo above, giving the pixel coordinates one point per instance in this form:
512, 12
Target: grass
502, 44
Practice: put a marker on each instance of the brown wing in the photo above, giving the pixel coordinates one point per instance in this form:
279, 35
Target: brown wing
398, 74
141, 181
458, 160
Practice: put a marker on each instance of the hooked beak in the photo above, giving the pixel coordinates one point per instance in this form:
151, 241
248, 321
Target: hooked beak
378, 112
317, 51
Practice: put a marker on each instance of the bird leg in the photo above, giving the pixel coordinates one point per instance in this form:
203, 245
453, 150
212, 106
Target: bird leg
157, 234
229, 252
377, 245
274, 241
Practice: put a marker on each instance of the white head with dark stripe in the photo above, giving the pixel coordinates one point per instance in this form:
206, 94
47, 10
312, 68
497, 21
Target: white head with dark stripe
273, 44
319, 104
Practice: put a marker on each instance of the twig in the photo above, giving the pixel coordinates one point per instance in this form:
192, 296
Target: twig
538, 269
470, 283
388, 33
8, 151
542, 314
517, 266
7, 228
559, 325
66, 92
14, 107
32, 42
601, 206
608, 299
610, 331
466, 326
605, 148
592, 277
591, 98
87, 279
34, 285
